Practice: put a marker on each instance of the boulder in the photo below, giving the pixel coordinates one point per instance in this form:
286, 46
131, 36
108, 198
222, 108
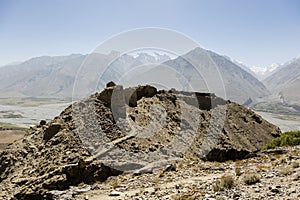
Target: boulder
43, 122
53, 129
110, 84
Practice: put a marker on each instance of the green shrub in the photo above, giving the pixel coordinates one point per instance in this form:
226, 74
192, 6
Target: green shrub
286, 139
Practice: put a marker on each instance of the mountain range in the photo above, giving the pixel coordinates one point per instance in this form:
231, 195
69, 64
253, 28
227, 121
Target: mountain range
285, 82
218, 73
199, 69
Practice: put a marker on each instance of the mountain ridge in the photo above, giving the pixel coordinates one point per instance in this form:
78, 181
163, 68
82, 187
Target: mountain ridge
239, 84
285, 81
54, 77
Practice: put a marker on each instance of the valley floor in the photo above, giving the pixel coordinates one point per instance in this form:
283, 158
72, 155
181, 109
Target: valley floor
25, 114
286, 122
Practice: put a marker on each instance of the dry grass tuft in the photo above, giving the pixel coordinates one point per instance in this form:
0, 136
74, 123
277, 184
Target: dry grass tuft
184, 197
238, 171
286, 171
262, 167
226, 182
180, 165
251, 178
295, 164
114, 184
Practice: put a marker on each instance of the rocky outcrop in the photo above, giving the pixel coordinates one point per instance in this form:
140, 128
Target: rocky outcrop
89, 140
244, 132
204, 101
214, 129
132, 95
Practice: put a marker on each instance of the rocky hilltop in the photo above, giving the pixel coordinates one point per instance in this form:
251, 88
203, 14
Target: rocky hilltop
135, 130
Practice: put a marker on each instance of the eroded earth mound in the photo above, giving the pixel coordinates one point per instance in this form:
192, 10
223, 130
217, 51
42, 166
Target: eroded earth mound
132, 129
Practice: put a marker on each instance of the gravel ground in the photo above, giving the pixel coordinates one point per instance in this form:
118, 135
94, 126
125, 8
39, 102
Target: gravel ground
278, 177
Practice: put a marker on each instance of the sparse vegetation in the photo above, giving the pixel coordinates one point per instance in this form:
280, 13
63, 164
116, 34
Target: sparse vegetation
114, 185
239, 162
282, 160
179, 165
286, 171
184, 197
251, 178
238, 171
226, 182
169, 179
277, 156
262, 167
295, 164
286, 139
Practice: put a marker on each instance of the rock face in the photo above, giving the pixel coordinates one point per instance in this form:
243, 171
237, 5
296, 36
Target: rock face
142, 122
49, 157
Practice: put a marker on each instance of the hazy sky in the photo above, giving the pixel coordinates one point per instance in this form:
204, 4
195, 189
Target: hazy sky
256, 32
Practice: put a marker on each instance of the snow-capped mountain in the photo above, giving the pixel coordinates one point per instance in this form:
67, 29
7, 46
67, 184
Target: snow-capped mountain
264, 72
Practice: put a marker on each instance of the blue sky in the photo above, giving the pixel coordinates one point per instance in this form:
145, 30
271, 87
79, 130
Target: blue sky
255, 32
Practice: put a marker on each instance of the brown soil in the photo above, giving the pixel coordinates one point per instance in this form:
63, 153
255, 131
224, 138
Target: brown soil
9, 136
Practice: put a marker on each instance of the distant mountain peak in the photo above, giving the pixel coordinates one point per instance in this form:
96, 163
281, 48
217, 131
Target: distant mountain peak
285, 80
54, 76
239, 84
153, 57
297, 57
